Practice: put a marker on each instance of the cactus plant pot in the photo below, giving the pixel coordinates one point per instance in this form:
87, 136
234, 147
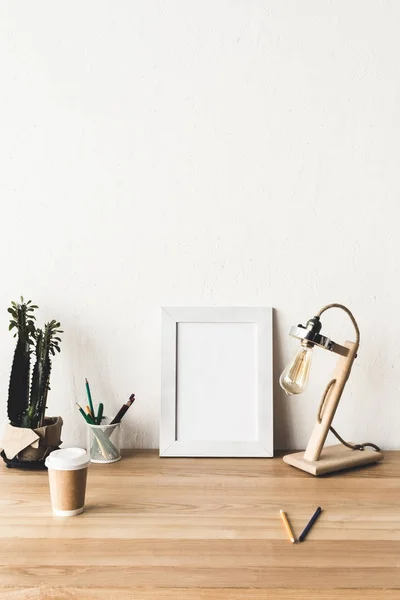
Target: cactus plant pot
29, 448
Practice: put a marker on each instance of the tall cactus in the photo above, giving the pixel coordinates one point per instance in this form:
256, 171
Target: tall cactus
24, 409
18, 391
47, 343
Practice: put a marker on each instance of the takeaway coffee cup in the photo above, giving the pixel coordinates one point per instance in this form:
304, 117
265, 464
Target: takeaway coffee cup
67, 477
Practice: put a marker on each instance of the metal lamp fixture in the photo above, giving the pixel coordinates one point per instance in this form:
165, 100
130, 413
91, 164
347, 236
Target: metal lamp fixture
316, 459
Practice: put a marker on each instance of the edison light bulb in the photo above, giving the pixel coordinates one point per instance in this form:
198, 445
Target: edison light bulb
294, 378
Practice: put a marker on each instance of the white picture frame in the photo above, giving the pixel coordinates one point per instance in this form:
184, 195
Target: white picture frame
216, 383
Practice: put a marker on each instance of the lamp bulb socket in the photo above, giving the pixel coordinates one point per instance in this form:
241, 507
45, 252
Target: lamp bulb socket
314, 325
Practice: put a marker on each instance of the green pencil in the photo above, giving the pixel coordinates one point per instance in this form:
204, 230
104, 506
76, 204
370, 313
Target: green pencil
89, 395
84, 415
100, 413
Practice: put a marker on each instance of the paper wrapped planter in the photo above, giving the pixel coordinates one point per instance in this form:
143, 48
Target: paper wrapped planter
28, 448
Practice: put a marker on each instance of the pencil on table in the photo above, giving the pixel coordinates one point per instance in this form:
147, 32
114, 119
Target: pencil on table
287, 526
310, 524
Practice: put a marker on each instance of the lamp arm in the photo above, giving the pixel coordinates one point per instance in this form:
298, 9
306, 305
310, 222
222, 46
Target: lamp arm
357, 344
333, 381
349, 313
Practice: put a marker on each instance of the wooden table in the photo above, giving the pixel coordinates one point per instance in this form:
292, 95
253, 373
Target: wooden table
208, 529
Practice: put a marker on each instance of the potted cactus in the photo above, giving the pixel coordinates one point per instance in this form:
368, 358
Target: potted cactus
30, 436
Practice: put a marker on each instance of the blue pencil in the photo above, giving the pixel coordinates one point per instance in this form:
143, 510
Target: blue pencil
310, 524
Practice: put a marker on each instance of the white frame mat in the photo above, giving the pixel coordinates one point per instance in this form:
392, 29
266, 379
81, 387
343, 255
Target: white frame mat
216, 384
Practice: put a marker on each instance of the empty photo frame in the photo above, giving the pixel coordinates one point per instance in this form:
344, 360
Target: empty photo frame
216, 396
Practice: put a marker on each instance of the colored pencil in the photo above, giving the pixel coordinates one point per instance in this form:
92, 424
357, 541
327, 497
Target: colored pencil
310, 524
89, 395
100, 413
287, 526
84, 415
90, 418
123, 410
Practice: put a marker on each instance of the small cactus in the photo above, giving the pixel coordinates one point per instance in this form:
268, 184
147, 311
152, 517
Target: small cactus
26, 407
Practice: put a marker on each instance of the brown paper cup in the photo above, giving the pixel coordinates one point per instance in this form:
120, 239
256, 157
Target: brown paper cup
67, 478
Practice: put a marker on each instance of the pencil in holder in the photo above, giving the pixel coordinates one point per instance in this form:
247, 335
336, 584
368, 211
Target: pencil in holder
103, 443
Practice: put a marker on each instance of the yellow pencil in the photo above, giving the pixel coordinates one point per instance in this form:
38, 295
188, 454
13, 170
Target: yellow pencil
287, 526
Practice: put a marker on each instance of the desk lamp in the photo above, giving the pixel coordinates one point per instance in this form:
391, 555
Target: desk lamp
316, 459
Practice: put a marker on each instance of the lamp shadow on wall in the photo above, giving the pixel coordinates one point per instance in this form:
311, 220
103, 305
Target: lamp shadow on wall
282, 429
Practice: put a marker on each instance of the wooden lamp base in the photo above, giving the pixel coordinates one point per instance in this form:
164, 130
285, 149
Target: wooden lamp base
333, 458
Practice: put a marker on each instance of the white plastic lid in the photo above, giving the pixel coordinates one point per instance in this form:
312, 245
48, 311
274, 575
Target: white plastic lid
68, 459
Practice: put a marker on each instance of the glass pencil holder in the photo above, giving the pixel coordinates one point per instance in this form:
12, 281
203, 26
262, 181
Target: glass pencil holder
103, 443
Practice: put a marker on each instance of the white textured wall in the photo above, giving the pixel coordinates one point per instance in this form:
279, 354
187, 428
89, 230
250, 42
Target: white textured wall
212, 152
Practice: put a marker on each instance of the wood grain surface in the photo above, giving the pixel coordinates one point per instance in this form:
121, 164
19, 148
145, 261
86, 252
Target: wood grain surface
207, 529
